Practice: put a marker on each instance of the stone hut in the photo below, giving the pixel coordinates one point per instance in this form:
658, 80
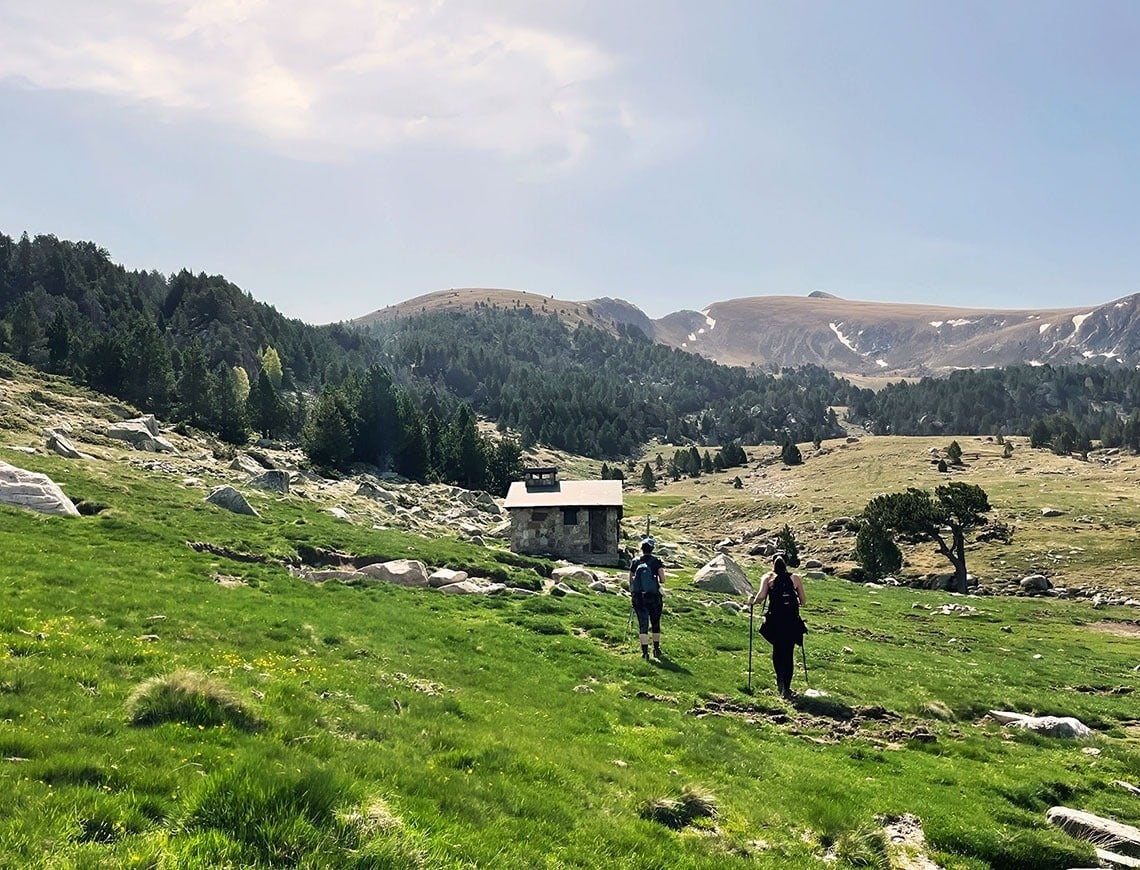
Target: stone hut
577, 520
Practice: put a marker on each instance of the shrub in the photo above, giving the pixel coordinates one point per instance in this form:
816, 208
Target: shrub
190, 698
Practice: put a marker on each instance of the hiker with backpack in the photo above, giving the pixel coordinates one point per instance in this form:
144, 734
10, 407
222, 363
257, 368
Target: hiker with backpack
782, 626
646, 578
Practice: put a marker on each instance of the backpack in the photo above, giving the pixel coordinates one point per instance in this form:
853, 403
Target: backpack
782, 621
783, 601
644, 578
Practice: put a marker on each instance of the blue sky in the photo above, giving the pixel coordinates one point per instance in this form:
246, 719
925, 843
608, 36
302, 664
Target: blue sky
337, 157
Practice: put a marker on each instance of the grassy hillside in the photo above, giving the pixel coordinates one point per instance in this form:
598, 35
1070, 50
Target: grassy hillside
1093, 542
335, 726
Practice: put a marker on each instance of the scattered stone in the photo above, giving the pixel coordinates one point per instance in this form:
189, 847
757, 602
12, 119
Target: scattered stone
229, 498
340, 513
952, 609
907, 842
1052, 512
813, 565
1065, 727
34, 491
722, 574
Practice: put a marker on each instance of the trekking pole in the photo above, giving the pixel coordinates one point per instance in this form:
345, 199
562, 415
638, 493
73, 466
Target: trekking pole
751, 614
803, 654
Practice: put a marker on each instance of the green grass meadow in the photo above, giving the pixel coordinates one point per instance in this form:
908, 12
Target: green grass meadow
287, 724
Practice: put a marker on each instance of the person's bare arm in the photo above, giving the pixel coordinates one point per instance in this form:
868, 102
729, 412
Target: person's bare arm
762, 592
799, 584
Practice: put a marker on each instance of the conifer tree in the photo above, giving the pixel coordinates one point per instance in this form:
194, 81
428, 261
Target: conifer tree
229, 407
648, 481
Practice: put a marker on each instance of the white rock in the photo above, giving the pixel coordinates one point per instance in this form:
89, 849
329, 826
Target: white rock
445, 577
229, 498
403, 572
1050, 726
34, 491
722, 574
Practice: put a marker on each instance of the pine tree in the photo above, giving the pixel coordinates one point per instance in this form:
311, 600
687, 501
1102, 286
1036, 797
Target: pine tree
327, 436
196, 388
648, 481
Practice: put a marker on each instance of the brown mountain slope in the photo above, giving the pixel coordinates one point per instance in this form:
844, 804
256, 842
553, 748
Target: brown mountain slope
860, 339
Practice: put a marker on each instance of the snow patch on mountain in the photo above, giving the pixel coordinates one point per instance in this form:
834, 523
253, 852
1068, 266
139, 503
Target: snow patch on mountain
843, 338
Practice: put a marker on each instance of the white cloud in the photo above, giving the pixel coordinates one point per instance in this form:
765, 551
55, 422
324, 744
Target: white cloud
333, 78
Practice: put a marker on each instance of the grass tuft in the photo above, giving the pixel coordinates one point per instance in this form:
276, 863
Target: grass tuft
695, 803
864, 847
191, 699
938, 710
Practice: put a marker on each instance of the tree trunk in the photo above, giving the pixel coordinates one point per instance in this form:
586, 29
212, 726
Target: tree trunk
958, 560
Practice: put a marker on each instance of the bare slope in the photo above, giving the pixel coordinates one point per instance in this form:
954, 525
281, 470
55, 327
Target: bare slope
853, 338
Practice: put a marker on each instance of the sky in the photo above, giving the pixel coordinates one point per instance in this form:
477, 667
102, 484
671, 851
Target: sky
332, 158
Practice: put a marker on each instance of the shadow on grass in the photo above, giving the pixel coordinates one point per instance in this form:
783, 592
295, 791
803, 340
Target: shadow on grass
826, 707
667, 664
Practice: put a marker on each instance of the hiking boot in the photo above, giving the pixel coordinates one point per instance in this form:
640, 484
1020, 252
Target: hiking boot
657, 654
645, 652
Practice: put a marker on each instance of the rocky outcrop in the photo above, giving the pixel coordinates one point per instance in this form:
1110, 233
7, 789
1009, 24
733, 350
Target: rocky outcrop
273, 480
142, 434
1125, 839
34, 491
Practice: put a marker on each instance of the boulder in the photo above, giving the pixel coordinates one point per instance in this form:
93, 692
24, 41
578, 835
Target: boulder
1125, 839
340, 513
445, 577
1051, 512
58, 444
813, 564
273, 480
1034, 583
229, 498
142, 434
372, 491
1065, 727
603, 587
463, 587
402, 572
34, 491
573, 574
722, 574
245, 462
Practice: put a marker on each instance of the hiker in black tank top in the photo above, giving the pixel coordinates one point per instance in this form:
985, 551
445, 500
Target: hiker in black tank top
782, 627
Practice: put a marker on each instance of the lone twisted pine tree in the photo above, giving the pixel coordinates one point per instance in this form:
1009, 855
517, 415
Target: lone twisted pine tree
956, 507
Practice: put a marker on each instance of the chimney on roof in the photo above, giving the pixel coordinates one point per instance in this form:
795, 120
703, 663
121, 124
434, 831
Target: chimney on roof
541, 478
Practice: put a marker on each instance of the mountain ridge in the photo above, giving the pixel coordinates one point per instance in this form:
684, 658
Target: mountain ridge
849, 337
